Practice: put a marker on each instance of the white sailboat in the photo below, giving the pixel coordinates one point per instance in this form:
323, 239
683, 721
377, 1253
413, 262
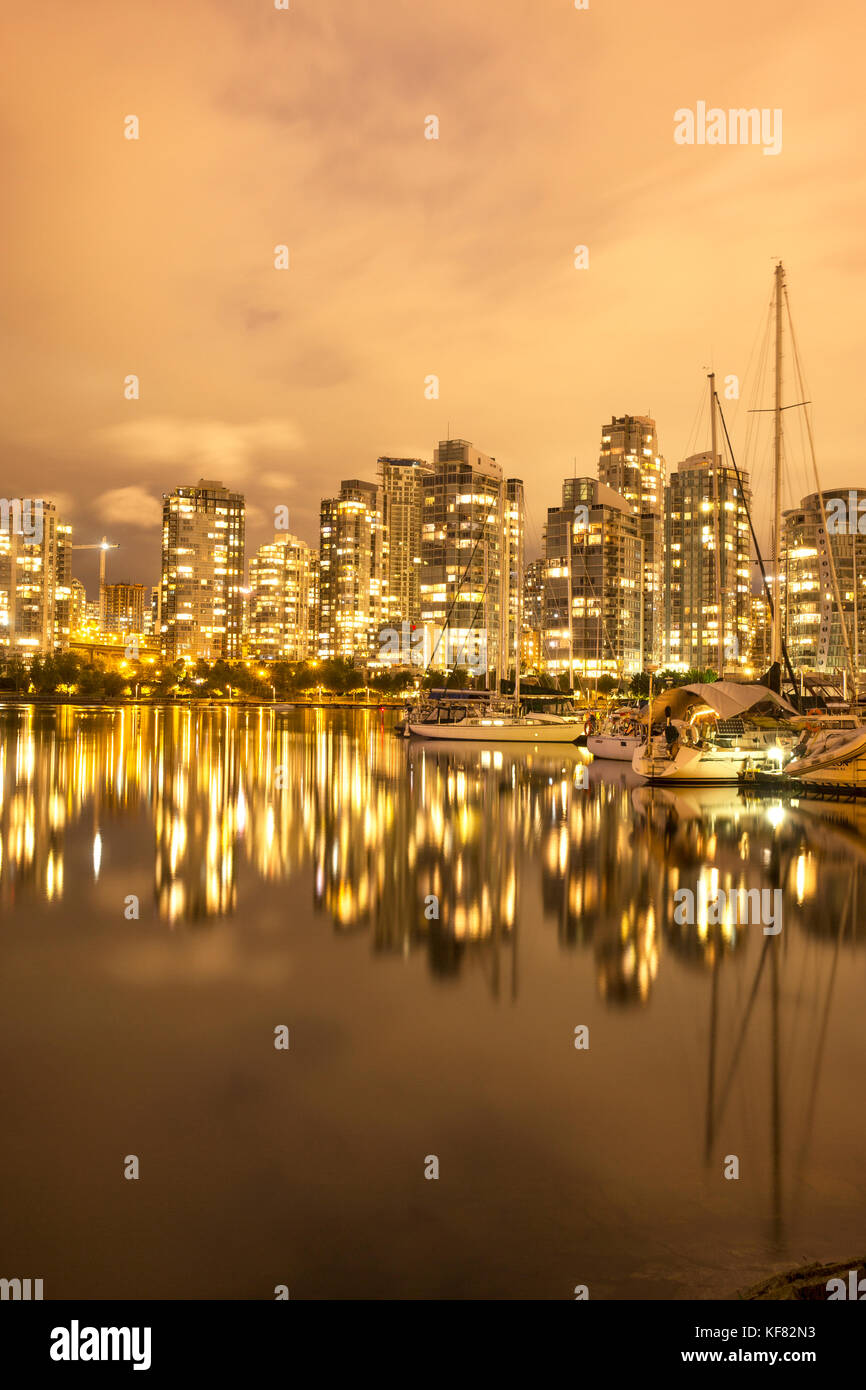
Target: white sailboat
752, 745
498, 724
505, 728
619, 737
722, 728
833, 759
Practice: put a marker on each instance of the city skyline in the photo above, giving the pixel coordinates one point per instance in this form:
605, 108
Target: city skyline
433, 671
426, 565
160, 258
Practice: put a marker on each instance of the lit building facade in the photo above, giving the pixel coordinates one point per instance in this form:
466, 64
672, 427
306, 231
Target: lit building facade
693, 605
812, 626
279, 615
153, 616
313, 601
761, 633
351, 581
123, 608
30, 564
77, 607
63, 612
630, 462
471, 554
514, 564
401, 483
202, 572
533, 596
594, 565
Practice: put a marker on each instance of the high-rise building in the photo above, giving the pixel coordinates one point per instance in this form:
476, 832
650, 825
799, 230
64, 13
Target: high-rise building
471, 552
760, 651
202, 572
514, 565
631, 464
594, 566
811, 622
153, 616
401, 482
77, 607
313, 602
532, 617
350, 572
29, 559
533, 596
123, 608
279, 619
63, 589
701, 609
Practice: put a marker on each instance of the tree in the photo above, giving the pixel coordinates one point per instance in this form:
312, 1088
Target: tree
15, 674
112, 684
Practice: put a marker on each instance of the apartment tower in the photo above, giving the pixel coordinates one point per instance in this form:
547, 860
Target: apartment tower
202, 572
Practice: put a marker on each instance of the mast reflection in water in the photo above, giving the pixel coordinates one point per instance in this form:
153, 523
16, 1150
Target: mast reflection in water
484, 904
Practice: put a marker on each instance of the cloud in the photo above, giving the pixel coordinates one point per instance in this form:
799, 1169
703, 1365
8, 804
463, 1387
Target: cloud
130, 506
206, 448
261, 318
64, 502
276, 480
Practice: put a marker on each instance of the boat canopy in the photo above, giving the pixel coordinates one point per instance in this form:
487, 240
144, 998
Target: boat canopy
441, 693
727, 698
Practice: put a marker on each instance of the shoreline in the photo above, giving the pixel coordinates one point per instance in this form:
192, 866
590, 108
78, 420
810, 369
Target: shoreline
120, 702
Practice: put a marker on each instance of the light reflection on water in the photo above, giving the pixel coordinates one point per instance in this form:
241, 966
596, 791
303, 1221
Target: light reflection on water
555, 904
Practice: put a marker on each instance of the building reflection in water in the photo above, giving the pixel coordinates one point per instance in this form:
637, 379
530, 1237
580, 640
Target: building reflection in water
386, 827
511, 844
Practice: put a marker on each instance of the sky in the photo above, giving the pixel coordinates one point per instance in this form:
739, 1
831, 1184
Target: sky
412, 257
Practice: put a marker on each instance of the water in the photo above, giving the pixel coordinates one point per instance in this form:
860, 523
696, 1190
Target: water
285, 866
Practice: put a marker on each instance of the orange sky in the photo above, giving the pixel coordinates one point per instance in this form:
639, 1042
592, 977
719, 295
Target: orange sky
409, 257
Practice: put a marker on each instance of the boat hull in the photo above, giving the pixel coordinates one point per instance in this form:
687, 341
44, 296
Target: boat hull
692, 765
492, 731
620, 750
842, 777
840, 750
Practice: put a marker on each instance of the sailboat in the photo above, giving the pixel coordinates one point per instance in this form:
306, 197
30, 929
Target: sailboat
722, 728
500, 722
692, 758
621, 734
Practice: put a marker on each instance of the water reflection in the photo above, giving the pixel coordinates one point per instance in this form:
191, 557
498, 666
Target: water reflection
388, 826
554, 900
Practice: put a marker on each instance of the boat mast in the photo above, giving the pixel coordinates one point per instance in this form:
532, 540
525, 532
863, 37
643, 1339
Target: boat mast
487, 642
570, 602
777, 476
856, 612
717, 533
831, 561
502, 643
519, 618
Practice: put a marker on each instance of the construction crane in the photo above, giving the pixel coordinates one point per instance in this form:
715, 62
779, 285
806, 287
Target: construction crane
103, 546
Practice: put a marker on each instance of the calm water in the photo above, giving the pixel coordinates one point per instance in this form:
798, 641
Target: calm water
282, 862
